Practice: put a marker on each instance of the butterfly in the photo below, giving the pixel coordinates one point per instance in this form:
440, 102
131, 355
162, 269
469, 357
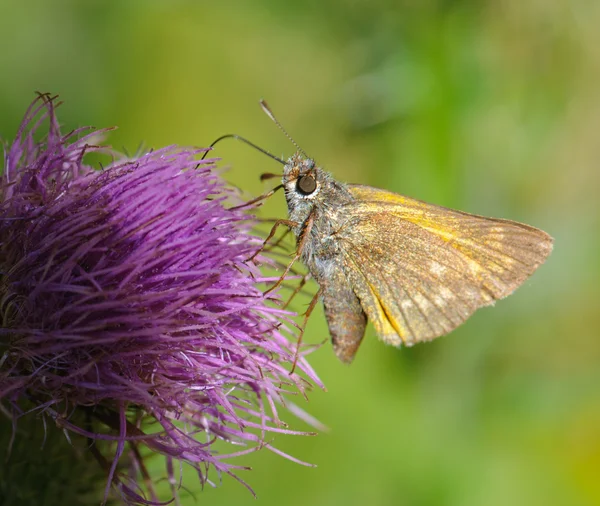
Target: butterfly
415, 270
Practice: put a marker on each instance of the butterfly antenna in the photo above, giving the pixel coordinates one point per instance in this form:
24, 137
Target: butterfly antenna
251, 144
269, 113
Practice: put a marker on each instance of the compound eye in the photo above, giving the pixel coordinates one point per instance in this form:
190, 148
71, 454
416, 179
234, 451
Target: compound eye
306, 185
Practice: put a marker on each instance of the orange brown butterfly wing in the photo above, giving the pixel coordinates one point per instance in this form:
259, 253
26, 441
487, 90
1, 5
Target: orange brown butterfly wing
421, 270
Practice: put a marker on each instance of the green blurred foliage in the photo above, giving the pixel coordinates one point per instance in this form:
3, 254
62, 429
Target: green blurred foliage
489, 107
24, 479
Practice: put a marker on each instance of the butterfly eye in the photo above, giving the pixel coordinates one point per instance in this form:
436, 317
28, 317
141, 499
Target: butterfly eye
306, 185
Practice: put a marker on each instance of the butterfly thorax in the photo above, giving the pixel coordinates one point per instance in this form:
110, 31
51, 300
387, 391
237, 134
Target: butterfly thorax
316, 203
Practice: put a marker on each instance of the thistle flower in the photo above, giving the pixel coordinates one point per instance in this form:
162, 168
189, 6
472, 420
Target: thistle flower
129, 313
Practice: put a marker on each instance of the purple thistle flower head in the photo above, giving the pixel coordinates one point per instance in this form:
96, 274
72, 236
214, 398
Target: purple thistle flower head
129, 313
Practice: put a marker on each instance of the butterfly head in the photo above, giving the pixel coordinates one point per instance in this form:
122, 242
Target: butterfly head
302, 179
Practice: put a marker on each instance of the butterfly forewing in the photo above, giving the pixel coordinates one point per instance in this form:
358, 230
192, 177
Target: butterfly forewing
421, 270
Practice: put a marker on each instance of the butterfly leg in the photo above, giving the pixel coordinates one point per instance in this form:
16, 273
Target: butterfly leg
257, 199
301, 284
303, 238
278, 223
307, 314
279, 241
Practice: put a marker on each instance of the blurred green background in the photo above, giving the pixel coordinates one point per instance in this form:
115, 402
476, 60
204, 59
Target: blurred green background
485, 106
